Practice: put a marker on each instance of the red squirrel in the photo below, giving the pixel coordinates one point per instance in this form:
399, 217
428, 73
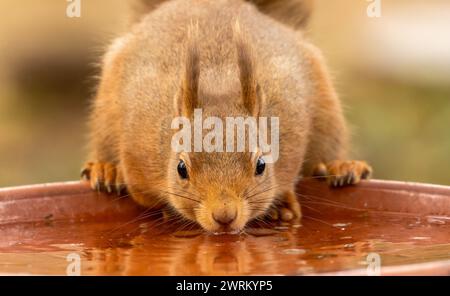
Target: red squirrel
227, 58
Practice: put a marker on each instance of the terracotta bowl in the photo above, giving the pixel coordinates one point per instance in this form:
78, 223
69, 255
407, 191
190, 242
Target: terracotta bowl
376, 227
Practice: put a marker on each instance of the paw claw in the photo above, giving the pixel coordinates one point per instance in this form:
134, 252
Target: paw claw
341, 173
84, 174
97, 186
86, 171
103, 177
119, 189
366, 174
108, 188
350, 178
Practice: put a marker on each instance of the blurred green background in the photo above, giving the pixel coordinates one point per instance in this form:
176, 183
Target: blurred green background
392, 73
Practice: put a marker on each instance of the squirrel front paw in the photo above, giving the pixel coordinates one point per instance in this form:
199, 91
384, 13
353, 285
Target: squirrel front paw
288, 211
104, 177
340, 173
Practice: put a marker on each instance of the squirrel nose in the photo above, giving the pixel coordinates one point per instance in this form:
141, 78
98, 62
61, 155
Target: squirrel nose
224, 217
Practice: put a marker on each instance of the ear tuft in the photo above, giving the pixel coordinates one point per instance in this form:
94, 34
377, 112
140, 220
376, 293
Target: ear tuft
187, 101
251, 96
294, 13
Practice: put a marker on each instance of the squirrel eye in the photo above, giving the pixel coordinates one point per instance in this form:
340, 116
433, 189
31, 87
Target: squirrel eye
260, 166
182, 170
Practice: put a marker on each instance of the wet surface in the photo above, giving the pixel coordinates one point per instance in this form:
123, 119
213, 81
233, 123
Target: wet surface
146, 248
332, 238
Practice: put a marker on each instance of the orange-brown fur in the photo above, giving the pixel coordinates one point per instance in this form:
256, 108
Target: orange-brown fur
185, 54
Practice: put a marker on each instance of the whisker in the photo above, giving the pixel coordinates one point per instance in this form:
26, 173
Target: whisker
129, 222
320, 221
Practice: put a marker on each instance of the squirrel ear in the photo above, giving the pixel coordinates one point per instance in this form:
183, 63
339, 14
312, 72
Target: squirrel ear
187, 100
250, 90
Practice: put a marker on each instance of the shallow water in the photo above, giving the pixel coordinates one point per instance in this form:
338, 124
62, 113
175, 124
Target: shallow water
148, 247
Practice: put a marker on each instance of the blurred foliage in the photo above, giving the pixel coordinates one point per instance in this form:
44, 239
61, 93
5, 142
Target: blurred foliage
42, 139
400, 128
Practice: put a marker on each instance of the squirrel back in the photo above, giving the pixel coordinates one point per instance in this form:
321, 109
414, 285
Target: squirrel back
294, 13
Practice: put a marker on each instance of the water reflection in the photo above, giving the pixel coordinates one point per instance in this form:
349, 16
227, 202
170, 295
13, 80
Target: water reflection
145, 248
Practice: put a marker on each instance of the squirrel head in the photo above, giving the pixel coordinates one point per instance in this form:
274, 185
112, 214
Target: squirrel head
220, 190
